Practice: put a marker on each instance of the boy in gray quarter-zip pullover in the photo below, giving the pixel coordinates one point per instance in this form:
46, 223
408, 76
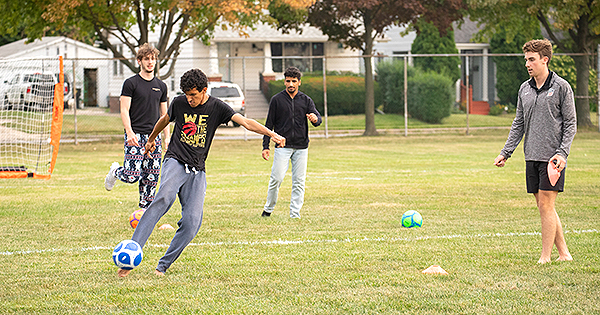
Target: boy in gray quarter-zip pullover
547, 123
545, 118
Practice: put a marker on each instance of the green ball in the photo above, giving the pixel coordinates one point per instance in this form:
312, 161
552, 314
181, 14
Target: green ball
412, 218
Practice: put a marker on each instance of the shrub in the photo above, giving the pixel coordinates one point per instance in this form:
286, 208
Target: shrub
498, 109
430, 97
430, 40
564, 66
345, 94
390, 76
510, 71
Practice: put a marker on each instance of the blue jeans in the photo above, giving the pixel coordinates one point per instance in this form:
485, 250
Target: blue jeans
281, 159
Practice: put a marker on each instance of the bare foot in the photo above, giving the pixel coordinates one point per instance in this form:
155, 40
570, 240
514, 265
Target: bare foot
158, 273
565, 258
543, 260
123, 273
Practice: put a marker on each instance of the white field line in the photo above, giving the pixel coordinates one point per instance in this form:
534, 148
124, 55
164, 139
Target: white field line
301, 242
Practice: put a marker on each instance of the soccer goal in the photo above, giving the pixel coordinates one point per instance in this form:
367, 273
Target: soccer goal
31, 109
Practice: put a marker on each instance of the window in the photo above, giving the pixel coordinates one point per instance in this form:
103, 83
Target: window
277, 51
317, 50
117, 64
297, 50
224, 91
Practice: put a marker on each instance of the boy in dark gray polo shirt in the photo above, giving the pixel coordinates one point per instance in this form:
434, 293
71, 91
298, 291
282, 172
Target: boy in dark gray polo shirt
547, 123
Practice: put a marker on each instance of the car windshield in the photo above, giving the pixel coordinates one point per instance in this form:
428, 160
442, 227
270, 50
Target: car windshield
224, 91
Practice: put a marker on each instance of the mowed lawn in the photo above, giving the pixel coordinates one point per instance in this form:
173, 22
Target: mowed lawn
347, 255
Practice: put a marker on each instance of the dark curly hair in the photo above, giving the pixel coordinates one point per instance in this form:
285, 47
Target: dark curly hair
193, 78
292, 72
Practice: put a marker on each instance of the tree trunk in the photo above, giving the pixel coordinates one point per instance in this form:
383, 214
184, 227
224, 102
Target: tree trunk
370, 129
582, 104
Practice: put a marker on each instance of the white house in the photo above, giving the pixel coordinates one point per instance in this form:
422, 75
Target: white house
260, 52
481, 69
89, 64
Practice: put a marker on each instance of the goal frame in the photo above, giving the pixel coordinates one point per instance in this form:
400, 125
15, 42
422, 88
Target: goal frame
55, 133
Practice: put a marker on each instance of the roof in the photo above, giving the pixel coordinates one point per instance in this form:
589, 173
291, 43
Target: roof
267, 33
467, 30
20, 47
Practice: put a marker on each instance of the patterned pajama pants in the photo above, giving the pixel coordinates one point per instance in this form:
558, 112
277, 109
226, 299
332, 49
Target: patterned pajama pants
138, 167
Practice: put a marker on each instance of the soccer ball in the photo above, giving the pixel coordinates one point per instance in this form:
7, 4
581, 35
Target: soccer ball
135, 217
412, 218
127, 255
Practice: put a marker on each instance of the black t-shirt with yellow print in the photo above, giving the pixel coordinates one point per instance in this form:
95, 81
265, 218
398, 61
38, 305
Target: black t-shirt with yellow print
195, 128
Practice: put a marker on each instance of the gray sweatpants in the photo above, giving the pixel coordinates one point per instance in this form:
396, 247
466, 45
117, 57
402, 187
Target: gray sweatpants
176, 178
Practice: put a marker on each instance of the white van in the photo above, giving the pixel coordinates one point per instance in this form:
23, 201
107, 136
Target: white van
229, 93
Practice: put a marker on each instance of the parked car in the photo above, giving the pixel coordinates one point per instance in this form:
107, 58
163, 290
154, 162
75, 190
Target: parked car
229, 93
68, 88
30, 90
4, 78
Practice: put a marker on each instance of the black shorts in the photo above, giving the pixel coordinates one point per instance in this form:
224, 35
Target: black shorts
536, 174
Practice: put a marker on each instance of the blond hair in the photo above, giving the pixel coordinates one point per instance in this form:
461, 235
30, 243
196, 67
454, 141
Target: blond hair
145, 50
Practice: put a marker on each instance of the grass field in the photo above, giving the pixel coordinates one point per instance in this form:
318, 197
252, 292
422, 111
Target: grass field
347, 255
110, 124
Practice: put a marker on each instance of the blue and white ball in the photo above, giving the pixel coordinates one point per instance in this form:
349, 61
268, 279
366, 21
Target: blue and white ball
412, 218
127, 254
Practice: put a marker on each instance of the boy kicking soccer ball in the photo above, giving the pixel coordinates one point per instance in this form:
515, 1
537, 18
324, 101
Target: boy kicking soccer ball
197, 116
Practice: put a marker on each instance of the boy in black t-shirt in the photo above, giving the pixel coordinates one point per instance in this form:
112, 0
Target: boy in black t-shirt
143, 100
197, 116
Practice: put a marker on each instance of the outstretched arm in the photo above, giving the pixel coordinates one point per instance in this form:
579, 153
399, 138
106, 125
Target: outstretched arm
255, 126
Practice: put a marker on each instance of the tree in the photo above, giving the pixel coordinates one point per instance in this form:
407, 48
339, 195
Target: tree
572, 25
356, 24
510, 72
430, 40
131, 22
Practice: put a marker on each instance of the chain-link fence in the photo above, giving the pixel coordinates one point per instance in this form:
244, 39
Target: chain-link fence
92, 104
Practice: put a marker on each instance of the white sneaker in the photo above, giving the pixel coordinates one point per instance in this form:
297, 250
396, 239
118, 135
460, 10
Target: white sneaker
110, 180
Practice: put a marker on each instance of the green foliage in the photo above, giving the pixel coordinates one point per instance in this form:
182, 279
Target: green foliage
429, 41
508, 17
287, 18
564, 66
498, 109
390, 76
430, 96
345, 94
7, 39
510, 71
572, 25
30, 19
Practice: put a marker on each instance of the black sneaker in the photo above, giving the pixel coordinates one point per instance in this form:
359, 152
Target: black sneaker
265, 214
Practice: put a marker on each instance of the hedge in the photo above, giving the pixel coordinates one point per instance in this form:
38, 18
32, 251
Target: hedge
430, 95
390, 76
345, 94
